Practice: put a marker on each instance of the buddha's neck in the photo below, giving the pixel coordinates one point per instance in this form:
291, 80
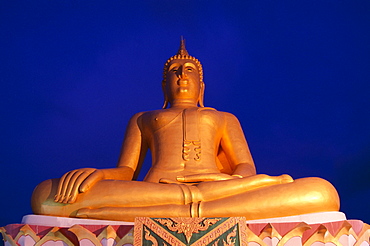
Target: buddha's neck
183, 104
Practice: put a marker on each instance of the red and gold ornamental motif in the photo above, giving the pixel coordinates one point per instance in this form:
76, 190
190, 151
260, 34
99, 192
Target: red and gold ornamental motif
192, 231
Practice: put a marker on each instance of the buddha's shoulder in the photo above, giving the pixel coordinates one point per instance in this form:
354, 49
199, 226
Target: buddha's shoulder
173, 112
155, 113
159, 115
212, 111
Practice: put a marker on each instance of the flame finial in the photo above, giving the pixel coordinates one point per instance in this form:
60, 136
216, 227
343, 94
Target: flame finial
182, 50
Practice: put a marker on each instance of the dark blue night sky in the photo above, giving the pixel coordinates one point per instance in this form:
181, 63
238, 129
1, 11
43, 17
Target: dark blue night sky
295, 73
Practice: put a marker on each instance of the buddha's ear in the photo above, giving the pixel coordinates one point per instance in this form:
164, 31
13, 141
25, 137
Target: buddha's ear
201, 94
165, 104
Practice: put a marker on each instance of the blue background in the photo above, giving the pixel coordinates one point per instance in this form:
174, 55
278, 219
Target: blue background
295, 73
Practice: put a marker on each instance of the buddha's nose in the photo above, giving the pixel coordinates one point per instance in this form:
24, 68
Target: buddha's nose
182, 73
183, 78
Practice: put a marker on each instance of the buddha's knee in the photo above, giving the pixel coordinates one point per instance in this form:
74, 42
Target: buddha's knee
319, 193
43, 193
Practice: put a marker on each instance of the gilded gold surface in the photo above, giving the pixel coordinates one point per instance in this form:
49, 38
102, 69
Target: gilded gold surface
201, 167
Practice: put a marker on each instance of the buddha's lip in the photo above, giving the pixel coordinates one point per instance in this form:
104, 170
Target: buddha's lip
183, 82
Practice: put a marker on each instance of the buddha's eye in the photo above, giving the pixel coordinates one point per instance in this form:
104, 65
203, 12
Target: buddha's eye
189, 69
174, 70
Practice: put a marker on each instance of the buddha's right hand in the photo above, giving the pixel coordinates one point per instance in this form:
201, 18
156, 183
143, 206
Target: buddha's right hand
73, 182
204, 177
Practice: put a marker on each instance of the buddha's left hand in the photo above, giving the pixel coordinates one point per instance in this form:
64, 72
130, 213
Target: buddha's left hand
206, 177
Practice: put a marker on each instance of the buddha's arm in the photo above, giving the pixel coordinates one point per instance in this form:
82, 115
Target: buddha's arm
235, 146
81, 180
133, 149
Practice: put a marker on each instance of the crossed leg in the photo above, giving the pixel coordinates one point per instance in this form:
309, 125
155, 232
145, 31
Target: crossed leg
259, 196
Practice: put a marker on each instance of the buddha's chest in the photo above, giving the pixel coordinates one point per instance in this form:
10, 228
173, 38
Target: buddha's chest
189, 123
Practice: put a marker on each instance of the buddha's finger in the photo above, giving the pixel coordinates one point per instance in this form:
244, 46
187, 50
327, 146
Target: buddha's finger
168, 181
73, 182
62, 183
75, 190
194, 178
66, 183
266, 180
92, 178
204, 177
186, 179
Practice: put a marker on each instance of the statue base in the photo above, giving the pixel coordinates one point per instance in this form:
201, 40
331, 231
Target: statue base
329, 228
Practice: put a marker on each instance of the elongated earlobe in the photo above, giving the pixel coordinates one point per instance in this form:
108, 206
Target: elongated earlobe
201, 95
165, 104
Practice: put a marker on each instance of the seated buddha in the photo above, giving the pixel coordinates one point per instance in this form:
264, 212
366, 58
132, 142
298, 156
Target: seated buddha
201, 167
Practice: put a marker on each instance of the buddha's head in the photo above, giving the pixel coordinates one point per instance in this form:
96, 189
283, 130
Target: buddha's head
183, 79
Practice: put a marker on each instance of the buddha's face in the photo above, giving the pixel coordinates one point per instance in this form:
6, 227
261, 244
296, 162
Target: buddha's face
182, 82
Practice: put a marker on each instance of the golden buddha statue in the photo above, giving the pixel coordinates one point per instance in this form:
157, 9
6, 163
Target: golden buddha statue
201, 167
